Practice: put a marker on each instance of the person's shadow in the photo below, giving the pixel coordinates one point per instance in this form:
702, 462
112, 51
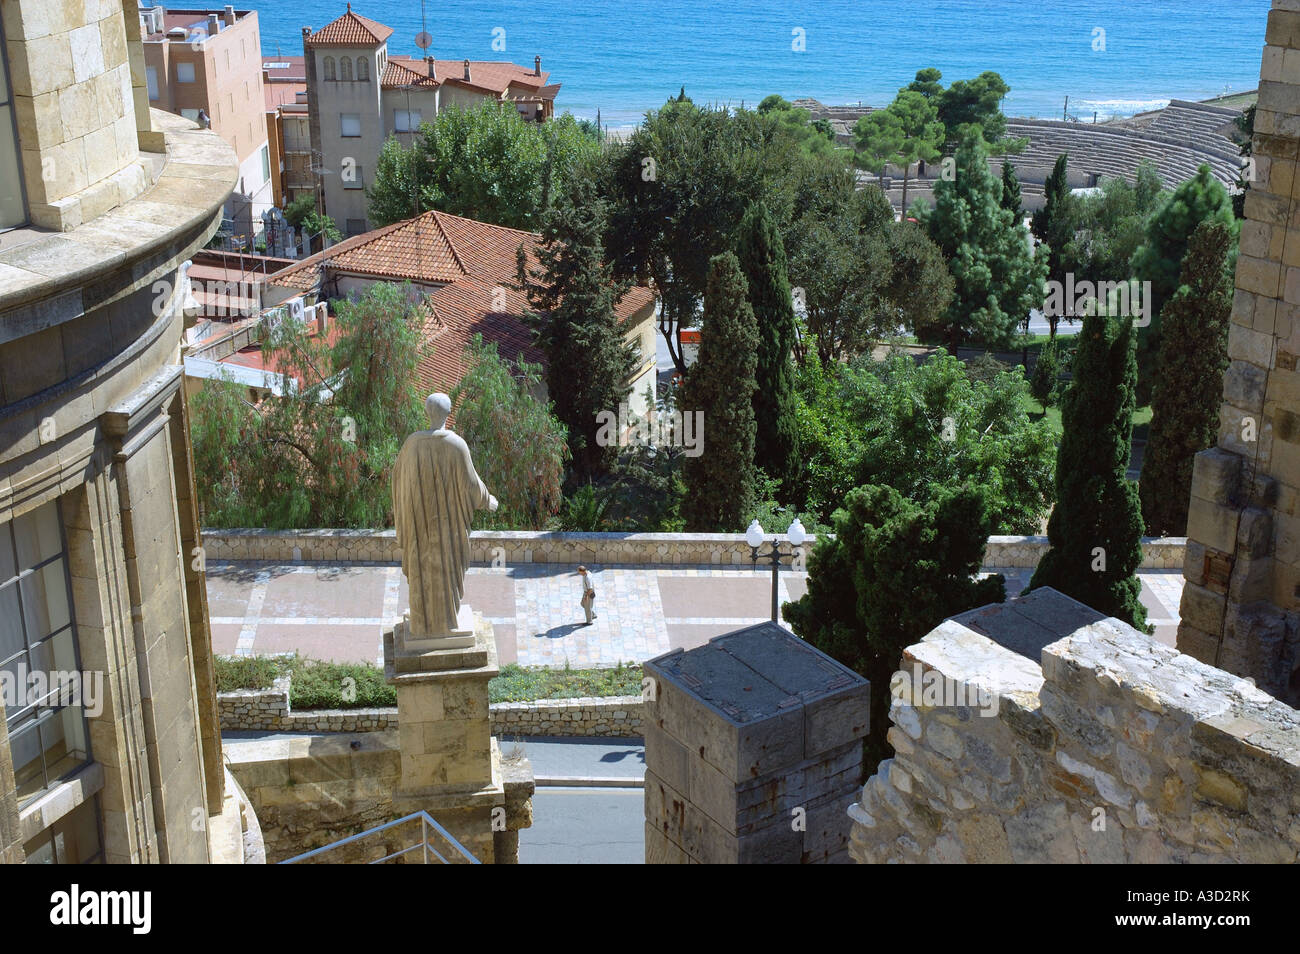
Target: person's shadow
559, 632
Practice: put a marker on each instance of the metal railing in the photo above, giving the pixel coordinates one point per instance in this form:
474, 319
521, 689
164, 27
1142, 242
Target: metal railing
429, 852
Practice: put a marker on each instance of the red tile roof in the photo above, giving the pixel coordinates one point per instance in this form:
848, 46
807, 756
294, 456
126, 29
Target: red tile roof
351, 29
401, 71
471, 262
487, 75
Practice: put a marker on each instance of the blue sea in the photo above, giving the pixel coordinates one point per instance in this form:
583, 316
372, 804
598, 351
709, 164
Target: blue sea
1114, 57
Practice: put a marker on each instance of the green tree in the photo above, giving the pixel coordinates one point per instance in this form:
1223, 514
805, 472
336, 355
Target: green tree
588, 361
487, 163
518, 445
894, 570
1047, 372
913, 427
1096, 527
975, 106
321, 453
879, 138
1112, 225
1159, 259
998, 280
1189, 385
762, 259
1011, 197
911, 125
721, 481
678, 188
1054, 225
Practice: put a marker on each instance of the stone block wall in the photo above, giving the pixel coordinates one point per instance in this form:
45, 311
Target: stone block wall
1239, 608
628, 549
1117, 749
312, 790
753, 746
75, 106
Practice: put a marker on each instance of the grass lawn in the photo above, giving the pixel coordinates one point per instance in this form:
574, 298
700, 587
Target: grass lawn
1141, 417
326, 685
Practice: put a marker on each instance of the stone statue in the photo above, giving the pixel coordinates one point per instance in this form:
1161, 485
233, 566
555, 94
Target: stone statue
435, 493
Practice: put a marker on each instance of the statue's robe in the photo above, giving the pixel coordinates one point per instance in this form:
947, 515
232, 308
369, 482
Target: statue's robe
435, 493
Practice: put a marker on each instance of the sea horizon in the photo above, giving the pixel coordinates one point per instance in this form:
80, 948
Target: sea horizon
620, 58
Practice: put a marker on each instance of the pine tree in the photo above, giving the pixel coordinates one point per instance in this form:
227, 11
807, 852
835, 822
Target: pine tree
1159, 259
1095, 530
720, 482
1054, 225
894, 570
588, 361
762, 257
1011, 197
1047, 371
1189, 380
998, 280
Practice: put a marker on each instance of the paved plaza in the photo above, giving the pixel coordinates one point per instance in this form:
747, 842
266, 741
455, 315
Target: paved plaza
338, 611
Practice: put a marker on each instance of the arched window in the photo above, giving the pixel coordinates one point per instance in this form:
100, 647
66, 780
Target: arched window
345, 69
329, 67
363, 70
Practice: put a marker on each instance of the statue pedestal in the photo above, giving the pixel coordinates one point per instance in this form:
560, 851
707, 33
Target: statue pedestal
451, 765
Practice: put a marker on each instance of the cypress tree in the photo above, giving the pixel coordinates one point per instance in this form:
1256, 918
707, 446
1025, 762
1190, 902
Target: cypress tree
720, 481
1054, 225
1158, 260
1011, 197
1189, 380
588, 361
1096, 527
762, 257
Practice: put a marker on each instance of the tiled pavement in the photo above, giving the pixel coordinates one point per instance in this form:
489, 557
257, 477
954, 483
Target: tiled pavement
338, 612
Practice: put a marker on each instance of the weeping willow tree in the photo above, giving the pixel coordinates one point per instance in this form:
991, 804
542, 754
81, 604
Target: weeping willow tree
518, 444
320, 454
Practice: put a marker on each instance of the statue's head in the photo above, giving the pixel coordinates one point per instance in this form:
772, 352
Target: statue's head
438, 407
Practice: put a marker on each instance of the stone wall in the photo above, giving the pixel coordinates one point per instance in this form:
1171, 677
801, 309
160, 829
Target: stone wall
312, 790
629, 549
1117, 749
268, 710
1239, 607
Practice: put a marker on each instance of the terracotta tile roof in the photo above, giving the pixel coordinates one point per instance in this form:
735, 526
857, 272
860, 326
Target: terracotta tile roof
400, 71
471, 262
351, 29
494, 76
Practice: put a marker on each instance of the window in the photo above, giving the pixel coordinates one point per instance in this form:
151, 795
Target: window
345, 69
266, 162
363, 69
354, 180
329, 68
356, 227
406, 120
151, 80
13, 206
227, 61
47, 726
72, 840
185, 72
191, 114
350, 125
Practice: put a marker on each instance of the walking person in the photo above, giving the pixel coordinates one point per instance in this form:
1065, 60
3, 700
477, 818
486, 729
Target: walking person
588, 601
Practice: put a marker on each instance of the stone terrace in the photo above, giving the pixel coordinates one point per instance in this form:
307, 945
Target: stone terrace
336, 609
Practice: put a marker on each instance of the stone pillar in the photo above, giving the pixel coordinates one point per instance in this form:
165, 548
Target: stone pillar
753, 747
1239, 607
451, 765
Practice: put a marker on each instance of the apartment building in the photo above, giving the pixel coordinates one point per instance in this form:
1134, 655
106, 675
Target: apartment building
110, 749
358, 95
284, 80
206, 65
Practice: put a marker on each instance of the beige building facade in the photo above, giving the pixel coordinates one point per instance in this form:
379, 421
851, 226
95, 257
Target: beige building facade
109, 749
358, 96
206, 65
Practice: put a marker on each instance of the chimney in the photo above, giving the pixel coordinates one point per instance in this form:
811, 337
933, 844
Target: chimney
230, 15
537, 66
467, 71
214, 24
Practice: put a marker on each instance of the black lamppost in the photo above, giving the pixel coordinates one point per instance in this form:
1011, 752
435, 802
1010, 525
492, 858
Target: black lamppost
754, 537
